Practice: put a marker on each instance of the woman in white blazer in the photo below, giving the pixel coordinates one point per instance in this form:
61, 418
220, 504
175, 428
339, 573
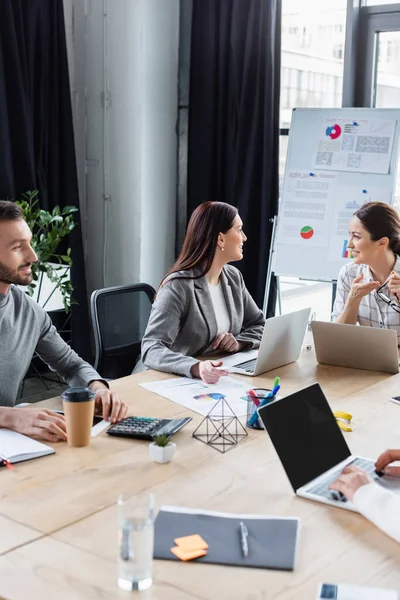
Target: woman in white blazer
202, 304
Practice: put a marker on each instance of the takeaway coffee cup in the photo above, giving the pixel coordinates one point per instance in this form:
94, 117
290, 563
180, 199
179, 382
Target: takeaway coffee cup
78, 405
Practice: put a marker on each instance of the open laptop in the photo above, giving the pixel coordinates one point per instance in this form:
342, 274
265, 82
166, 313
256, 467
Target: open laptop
358, 347
311, 447
280, 345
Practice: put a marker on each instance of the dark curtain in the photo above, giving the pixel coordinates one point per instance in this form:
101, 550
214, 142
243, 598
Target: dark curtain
36, 131
233, 148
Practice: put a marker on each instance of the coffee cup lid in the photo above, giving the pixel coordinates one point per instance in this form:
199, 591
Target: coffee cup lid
78, 394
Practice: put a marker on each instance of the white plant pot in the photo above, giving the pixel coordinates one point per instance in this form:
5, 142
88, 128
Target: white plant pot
162, 454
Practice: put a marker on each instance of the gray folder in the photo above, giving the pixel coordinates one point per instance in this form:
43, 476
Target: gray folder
272, 541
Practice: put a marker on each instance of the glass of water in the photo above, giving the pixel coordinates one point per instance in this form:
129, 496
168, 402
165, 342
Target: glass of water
136, 540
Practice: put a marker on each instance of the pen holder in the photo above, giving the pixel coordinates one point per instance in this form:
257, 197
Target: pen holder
258, 394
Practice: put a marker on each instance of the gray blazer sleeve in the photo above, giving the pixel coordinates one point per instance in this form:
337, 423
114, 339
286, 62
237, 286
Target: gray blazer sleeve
163, 327
253, 320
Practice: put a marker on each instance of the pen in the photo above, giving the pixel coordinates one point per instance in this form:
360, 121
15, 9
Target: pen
254, 397
243, 538
6, 462
264, 401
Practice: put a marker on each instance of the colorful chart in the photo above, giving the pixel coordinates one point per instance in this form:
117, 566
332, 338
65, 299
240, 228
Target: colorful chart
306, 232
346, 253
212, 395
334, 131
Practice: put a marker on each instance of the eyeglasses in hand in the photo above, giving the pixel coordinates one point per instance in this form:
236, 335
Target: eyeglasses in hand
386, 298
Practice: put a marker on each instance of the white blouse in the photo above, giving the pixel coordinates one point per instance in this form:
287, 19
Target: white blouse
381, 507
373, 312
219, 305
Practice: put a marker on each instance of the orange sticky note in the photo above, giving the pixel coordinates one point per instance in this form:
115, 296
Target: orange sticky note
187, 554
191, 542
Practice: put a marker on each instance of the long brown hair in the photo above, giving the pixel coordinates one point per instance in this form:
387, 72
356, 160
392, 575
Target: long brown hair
381, 220
206, 223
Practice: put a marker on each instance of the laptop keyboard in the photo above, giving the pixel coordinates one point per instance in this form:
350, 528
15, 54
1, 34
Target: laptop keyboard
248, 365
321, 489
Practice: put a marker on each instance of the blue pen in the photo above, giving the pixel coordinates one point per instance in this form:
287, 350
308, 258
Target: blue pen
263, 402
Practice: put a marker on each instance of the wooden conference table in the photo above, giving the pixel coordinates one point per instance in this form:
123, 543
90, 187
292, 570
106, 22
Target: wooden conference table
58, 513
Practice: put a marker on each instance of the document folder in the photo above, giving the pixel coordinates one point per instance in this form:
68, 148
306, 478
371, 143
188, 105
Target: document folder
272, 541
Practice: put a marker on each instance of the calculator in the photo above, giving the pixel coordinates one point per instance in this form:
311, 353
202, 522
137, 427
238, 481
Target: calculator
144, 428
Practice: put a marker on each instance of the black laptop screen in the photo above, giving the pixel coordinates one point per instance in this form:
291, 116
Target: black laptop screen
305, 434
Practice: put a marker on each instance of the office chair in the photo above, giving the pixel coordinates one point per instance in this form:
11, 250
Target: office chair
119, 317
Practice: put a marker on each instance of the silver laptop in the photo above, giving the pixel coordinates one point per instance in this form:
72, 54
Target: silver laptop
311, 447
280, 345
357, 347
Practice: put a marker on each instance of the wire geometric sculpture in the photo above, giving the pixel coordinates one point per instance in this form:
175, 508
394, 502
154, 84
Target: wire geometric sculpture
222, 427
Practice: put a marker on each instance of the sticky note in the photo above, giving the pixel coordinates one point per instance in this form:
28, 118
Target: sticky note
187, 554
191, 542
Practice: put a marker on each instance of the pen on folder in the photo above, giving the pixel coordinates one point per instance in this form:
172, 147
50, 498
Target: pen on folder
243, 539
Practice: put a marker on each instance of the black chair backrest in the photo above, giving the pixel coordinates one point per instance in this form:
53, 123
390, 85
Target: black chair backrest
119, 316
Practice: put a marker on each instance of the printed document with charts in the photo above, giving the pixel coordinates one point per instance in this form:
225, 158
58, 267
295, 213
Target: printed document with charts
16, 447
201, 397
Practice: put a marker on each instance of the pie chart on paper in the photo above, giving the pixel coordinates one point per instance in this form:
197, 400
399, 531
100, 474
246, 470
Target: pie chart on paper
334, 131
306, 232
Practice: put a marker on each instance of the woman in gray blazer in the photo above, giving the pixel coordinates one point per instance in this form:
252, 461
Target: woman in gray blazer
202, 304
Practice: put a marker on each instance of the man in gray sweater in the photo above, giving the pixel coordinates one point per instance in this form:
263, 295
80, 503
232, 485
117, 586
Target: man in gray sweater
25, 328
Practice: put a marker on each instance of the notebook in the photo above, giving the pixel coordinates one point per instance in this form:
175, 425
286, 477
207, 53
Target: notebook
16, 447
272, 541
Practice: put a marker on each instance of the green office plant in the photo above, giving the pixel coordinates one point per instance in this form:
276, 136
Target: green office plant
49, 229
161, 440
161, 449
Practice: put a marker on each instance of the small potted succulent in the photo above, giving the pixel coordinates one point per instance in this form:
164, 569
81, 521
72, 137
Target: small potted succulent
161, 449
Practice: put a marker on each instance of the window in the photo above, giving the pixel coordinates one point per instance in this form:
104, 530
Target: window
312, 76
312, 47
338, 51
375, 2
388, 82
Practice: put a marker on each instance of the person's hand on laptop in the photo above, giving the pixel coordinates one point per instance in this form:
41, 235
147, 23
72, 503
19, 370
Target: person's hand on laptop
350, 479
208, 370
383, 463
353, 477
226, 342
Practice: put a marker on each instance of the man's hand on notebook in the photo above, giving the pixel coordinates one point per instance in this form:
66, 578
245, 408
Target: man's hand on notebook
43, 423
350, 479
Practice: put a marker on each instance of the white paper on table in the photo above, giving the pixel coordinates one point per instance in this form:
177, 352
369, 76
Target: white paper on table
192, 393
